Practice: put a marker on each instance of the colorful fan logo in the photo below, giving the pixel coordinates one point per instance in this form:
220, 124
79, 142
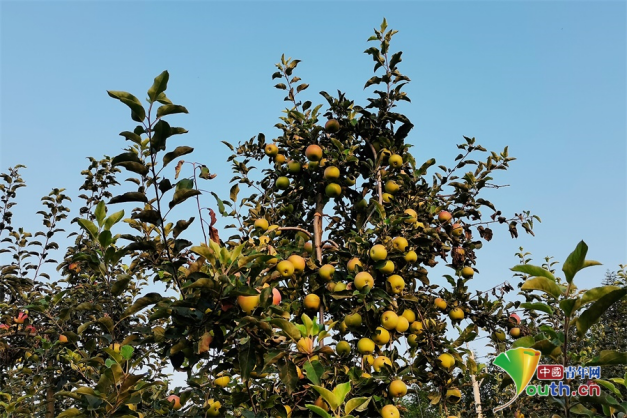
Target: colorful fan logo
520, 364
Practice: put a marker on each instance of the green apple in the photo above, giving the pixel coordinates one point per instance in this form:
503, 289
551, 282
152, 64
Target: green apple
333, 190
282, 183
331, 173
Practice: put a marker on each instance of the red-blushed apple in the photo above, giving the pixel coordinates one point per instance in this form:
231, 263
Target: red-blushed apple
176, 400
276, 296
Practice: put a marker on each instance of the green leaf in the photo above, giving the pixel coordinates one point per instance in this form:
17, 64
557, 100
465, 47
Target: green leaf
162, 131
328, 396
127, 352
120, 284
546, 347
100, 212
537, 306
178, 151
104, 238
313, 371
423, 168
357, 404
568, 305
288, 328
129, 197
579, 409
181, 225
308, 324
113, 219
577, 261
340, 392
182, 195
544, 284
159, 86
141, 303
591, 315
526, 342
247, 360
533, 271
319, 411
170, 109
72, 412
233, 193
89, 226
595, 294
288, 376
138, 113
221, 209
608, 357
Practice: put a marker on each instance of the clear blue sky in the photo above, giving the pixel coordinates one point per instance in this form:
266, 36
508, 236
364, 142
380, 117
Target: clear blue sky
548, 79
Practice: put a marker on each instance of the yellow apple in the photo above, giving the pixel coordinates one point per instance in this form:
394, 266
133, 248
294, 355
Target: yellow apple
402, 325
514, 332
298, 263
388, 267
339, 287
440, 303
286, 268
456, 314
326, 272
399, 244
331, 173
412, 340
342, 327
294, 167
312, 301
350, 180
446, 360
457, 230
396, 161
313, 152
214, 408
413, 216
467, 272
416, 327
380, 361
248, 303
62, 339
397, 389
365, 346
222, 381
397, 284
279, 159
409, 314
333, 190
271, 150
261, 224
282, 183
332, 126
364, 279
378, 252
411, 257
387, 197
389, 320
353, 320
368, 360
353, 263
391, 187
381, 336
390, 411
342, 348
